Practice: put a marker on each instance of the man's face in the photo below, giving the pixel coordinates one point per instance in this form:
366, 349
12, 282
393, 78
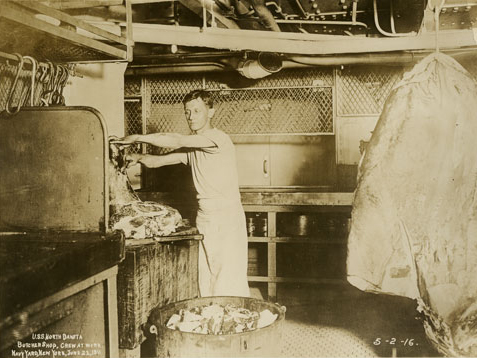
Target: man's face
198, 115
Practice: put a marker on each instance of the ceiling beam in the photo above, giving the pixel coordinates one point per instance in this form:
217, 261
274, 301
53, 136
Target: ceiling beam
295, 43
79, 4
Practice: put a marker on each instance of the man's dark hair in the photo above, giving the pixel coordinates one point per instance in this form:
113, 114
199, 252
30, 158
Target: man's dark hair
204, 95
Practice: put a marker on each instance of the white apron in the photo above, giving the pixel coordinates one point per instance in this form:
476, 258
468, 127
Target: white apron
223, 252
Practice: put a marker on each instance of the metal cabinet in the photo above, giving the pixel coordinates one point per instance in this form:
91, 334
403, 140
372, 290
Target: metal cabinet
253, 164
286, 161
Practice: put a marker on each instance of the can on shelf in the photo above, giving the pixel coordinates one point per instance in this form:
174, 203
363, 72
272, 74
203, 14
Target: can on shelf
251, 226
262, 228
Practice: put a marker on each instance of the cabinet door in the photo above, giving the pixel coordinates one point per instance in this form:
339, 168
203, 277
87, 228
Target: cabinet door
350, 131
253, 164
303, 161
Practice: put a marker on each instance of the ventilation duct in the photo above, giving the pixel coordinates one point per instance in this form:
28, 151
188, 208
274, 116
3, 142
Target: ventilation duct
264, 65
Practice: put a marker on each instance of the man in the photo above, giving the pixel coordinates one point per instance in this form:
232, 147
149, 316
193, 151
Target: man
211, 155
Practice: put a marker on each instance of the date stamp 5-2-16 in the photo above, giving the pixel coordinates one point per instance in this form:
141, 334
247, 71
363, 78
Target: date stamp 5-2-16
406, 342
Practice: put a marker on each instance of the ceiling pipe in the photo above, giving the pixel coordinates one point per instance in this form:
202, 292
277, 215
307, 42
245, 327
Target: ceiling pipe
231, 64
401, 58
265, 15
385, 33
175, 68
362, 59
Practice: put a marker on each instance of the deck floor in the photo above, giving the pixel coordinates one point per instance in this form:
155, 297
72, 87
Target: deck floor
346, 322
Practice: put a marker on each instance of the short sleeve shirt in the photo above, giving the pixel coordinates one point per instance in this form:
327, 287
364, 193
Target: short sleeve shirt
214, 169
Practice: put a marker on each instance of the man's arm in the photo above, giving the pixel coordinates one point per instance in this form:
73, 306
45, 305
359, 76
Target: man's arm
156, 161
169, 140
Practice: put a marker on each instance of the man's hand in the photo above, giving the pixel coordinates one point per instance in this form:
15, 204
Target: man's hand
133, 159
130, 139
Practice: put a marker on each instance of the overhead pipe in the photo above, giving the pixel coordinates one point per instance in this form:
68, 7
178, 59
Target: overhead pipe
265, 15
402, 58
302, 10
175, 68
354, 11
391, 16
385, 33
351, 59
369, 59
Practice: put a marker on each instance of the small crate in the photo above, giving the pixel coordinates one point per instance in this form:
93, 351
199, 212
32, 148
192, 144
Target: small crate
154, 274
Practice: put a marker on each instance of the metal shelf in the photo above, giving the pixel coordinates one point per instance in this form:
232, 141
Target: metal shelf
34, 29
255, 204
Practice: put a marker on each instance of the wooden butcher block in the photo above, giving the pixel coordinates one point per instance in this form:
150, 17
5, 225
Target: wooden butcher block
155, 273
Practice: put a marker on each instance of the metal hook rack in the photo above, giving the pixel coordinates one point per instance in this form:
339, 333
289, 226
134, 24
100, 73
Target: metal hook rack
28, 82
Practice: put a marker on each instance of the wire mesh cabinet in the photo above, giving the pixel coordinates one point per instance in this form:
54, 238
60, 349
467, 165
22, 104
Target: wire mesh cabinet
289, 115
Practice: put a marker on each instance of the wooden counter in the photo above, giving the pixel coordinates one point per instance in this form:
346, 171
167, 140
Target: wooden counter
264, 196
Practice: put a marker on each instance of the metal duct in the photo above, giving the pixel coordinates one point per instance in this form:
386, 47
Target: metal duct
264, 65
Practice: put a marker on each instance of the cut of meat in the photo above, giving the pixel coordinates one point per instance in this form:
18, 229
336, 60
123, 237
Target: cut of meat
414, 219
138, 219
220, 320
147, 219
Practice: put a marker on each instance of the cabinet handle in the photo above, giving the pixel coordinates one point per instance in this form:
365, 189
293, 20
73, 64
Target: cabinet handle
265, 166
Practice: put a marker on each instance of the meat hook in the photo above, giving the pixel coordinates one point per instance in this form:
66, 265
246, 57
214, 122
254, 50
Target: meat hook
34, 66
8, 108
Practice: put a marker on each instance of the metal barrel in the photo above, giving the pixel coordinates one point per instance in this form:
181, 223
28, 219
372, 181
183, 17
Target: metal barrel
262, 342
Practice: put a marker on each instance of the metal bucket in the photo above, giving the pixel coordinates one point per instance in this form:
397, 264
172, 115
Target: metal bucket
262, 342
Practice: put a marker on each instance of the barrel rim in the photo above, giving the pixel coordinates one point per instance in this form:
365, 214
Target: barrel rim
280, 308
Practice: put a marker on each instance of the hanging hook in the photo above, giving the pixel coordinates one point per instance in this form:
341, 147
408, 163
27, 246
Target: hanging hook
49, 82
9, 109
56, 95
63, 82
34, 66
